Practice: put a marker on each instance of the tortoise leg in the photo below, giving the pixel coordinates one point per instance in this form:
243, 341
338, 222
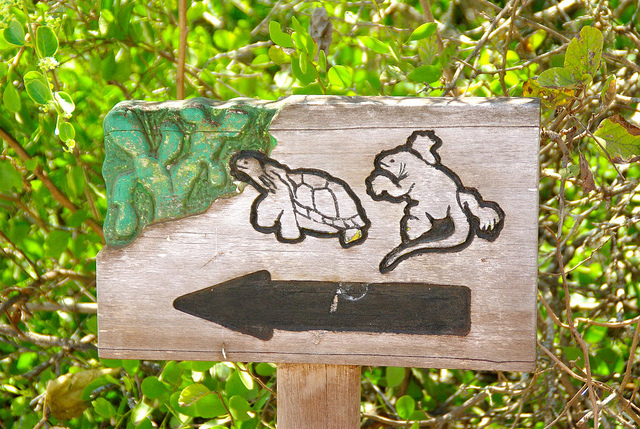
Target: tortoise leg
289, 229
351, 236
266, 212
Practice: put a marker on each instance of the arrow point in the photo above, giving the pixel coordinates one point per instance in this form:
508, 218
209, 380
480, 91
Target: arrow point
257, 278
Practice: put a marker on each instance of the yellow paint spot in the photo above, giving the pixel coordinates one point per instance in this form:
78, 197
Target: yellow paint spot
356, 236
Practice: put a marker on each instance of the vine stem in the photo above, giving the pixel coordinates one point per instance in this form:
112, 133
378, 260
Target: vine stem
182, 52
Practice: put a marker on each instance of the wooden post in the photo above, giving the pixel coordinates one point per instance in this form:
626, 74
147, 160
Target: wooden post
313, 396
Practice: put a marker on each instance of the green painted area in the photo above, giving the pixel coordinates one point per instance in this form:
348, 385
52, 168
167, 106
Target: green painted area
171, 159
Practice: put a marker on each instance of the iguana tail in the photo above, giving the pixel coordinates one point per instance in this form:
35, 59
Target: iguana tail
460, 236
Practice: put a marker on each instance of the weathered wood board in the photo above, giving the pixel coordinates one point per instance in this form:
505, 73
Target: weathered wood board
416, 214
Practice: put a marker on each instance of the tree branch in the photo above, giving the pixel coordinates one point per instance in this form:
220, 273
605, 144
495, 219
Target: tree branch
56, 193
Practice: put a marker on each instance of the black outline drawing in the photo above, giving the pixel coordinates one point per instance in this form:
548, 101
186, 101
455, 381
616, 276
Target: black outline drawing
433, 220
291, 225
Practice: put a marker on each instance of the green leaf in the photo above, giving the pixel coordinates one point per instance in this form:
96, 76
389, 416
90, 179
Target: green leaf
108, 65
210, 406
427, 74
26, 361
395, 376
111, 363
46, 41
145, 424
405, 406
104, 408
31, 164
304, 63
201, 366
37, 87
570, 171
304, 78
621, 138
557, 77
265, 369
192, 394
140, 412
340, 76
14, 33
246, 379
304, 43
172, 373
584, 53
65, 102
153, 388
279, 37
66, 131
107, 14
239, 408
11, 98
375, 45
297, 27
278, 55
424, 31
322, 60
92, 386
56, 243
595, 334
132, 366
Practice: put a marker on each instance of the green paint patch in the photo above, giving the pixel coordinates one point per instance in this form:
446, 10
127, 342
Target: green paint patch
171, 159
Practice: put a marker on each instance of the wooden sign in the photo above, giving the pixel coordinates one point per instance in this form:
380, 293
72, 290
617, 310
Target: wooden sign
321, 229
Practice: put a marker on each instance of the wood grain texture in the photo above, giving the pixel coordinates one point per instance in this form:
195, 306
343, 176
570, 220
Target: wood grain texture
492, 145
315, 396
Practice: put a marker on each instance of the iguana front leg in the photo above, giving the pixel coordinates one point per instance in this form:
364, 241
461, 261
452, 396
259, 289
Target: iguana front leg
381, 184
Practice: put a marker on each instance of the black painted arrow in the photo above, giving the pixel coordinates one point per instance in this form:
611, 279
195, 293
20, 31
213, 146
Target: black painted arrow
255, 305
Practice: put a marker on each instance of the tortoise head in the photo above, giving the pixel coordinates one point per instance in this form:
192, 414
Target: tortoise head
248, 166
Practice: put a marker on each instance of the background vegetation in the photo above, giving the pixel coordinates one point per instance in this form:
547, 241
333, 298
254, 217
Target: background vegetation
64, 64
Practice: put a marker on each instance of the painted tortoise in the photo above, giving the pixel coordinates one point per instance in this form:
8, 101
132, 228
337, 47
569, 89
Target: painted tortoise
299, 202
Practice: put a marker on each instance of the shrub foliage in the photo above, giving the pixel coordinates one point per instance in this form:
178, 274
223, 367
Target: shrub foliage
65, 64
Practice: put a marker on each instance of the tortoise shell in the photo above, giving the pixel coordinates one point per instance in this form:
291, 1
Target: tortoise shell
324, 201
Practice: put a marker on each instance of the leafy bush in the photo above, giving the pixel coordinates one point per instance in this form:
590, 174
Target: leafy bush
64, 65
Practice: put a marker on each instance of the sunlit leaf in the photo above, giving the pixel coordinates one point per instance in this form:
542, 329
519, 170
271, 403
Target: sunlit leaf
11, 98
65, 102
556, 77
583, 53
375, 45
37, 87
278, 55
192, 394
14, 33
424, 31
621, 138
239, 408
279, 37
340, 76
405, 406
46, 41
